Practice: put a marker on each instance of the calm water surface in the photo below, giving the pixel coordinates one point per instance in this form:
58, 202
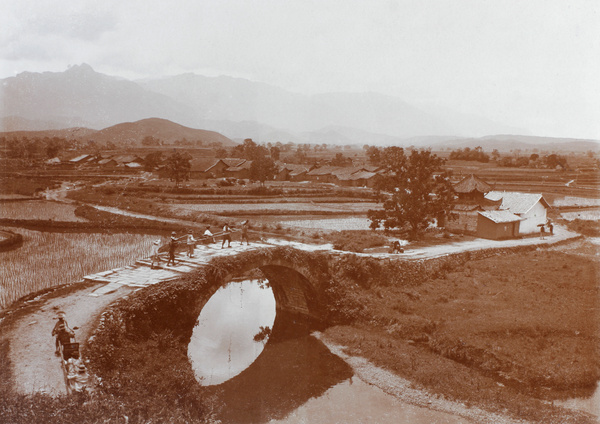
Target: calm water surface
222, 344
287, 377
589, 404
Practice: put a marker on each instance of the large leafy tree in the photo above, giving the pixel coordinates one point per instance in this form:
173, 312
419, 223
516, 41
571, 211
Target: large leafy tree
249, 150
178, 167
152, 160
414, 189
262, 169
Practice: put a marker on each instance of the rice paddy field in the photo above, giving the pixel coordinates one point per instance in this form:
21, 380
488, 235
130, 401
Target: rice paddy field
586, 215
575, 201
51, 259
567, 201
220, 208
333, 224
39, 209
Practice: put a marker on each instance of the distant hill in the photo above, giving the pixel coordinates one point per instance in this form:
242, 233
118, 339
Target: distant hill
76, 133
132, 133
18, 123
237, 99
506, 143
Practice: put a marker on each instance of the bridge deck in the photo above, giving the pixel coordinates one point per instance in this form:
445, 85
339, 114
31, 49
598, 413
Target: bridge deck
142, 274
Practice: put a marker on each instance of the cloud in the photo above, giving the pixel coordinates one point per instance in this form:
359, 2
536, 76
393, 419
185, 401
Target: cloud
86, 26
528, 63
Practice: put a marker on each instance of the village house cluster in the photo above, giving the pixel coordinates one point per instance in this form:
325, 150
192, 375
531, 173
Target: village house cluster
100, 161
350, 176
483, 212
205, 168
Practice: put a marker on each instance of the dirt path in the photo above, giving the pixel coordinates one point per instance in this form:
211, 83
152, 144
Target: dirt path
452, 247
35, 367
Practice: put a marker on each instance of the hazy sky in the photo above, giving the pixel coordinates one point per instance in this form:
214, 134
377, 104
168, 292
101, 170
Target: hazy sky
533, 64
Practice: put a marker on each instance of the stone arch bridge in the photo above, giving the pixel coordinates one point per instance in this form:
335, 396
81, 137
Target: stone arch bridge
298, 278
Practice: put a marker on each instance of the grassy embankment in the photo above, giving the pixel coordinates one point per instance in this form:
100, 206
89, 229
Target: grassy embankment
497, 332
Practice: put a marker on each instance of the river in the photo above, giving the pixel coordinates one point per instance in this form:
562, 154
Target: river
263, 366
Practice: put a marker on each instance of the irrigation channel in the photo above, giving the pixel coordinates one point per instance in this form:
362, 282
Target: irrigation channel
263, 366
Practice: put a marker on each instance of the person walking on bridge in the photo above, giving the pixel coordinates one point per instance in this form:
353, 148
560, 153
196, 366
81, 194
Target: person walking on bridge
155, 254
208, 235
191, 243
172, 248
226, 236
245, 233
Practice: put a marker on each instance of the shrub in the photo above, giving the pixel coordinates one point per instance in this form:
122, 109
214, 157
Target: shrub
357, 241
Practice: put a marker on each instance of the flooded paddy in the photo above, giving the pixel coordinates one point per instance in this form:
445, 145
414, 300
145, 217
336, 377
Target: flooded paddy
333, 224
575, 201
589, 404
39, 209
586, 215
295, 207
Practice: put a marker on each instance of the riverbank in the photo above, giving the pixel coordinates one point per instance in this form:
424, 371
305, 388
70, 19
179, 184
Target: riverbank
404, 391
508, 334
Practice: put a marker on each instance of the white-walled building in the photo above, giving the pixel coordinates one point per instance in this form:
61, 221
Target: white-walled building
530, 207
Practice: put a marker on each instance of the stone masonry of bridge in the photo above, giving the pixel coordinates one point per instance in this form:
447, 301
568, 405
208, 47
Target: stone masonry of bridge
293, 290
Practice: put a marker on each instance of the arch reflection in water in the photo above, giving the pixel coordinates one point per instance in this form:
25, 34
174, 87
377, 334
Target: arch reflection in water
223, 343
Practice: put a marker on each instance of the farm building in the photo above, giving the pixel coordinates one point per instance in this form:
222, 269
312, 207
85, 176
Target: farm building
202, 168
471, 189
463, 219
358, 179
80, 160
471, 200
531, 207
199, 168
123, 160
107, 163
292, 172
497, 225
322, 174
240, 171
221, 165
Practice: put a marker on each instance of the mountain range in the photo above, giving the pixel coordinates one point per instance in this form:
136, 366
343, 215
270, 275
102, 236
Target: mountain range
236, 108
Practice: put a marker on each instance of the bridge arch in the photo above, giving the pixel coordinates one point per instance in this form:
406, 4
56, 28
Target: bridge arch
296, 278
